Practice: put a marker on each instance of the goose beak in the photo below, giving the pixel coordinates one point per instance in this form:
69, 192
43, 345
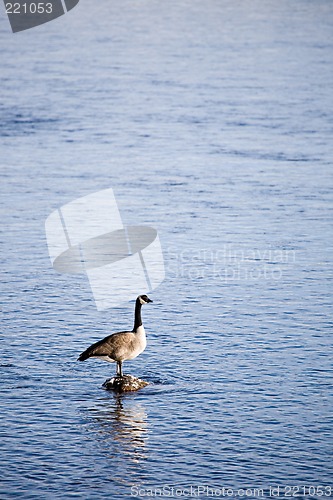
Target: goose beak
149, 300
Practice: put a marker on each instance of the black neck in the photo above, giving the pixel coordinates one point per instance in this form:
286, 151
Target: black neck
137, 315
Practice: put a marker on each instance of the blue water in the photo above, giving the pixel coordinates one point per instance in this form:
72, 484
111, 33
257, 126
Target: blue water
212, 122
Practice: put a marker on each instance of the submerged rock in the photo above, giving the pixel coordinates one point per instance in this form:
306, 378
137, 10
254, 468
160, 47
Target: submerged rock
126, 383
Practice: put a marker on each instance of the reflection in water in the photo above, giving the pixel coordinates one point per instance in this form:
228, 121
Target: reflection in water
123, 425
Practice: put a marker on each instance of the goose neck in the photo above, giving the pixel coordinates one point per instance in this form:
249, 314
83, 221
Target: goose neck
137, 316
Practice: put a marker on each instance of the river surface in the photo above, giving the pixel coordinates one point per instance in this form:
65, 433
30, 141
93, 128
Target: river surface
212, 122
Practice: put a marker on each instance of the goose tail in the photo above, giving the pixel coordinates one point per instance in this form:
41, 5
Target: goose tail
84, 355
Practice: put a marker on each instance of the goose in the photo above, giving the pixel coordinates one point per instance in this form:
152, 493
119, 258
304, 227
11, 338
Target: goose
121, 346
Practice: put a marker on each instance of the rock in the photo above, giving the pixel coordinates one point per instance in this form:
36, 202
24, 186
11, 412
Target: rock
126, 383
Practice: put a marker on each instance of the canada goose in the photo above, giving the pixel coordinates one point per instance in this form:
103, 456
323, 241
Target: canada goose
121, 346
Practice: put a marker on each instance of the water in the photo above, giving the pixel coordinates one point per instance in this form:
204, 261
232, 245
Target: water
212, 123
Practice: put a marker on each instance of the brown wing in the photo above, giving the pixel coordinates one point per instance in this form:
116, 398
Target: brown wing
112, 346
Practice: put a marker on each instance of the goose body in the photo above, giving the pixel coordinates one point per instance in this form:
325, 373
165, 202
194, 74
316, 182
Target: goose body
121, 346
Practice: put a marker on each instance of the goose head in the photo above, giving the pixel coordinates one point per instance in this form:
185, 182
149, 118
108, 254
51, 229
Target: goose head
144, 299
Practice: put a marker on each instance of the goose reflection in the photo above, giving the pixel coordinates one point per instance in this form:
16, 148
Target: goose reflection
124, 426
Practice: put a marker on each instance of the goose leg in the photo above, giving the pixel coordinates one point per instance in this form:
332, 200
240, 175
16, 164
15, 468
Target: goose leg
119, 369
